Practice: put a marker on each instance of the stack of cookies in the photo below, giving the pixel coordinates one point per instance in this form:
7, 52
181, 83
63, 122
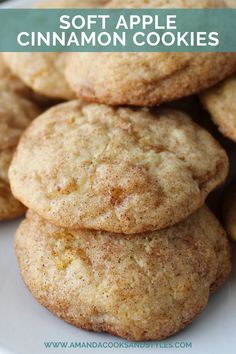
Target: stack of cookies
117, 237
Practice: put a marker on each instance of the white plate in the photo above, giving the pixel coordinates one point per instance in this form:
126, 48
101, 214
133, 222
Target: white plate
25, 326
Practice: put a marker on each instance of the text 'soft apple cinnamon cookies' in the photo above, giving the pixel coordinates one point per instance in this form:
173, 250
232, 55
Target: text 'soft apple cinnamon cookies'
139, 287
118, 170
44, 72
147, 79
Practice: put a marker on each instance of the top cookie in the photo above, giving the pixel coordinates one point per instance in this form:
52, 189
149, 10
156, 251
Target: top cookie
44, 72
119, 170
147, 79
221, 104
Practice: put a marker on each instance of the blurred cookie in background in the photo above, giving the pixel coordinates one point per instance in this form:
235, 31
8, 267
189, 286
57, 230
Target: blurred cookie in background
147, 79
16, 112
44, 72
220, 101
231, 3
229, 210
10, 82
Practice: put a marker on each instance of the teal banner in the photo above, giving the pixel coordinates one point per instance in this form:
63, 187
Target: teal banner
102, 30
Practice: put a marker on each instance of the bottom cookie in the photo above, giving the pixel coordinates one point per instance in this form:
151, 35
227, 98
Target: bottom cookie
140, 287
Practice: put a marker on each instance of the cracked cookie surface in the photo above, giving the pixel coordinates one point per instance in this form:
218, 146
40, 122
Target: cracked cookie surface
119, 170
139, 287
147, 79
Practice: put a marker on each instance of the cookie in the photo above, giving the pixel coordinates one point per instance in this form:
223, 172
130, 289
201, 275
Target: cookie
219, 101
229, 211
147, 79
69, 4
165, 4
117, 170
230, 3
10, 82
16, 113
44, 72
139, 287
45, 76
10, 208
